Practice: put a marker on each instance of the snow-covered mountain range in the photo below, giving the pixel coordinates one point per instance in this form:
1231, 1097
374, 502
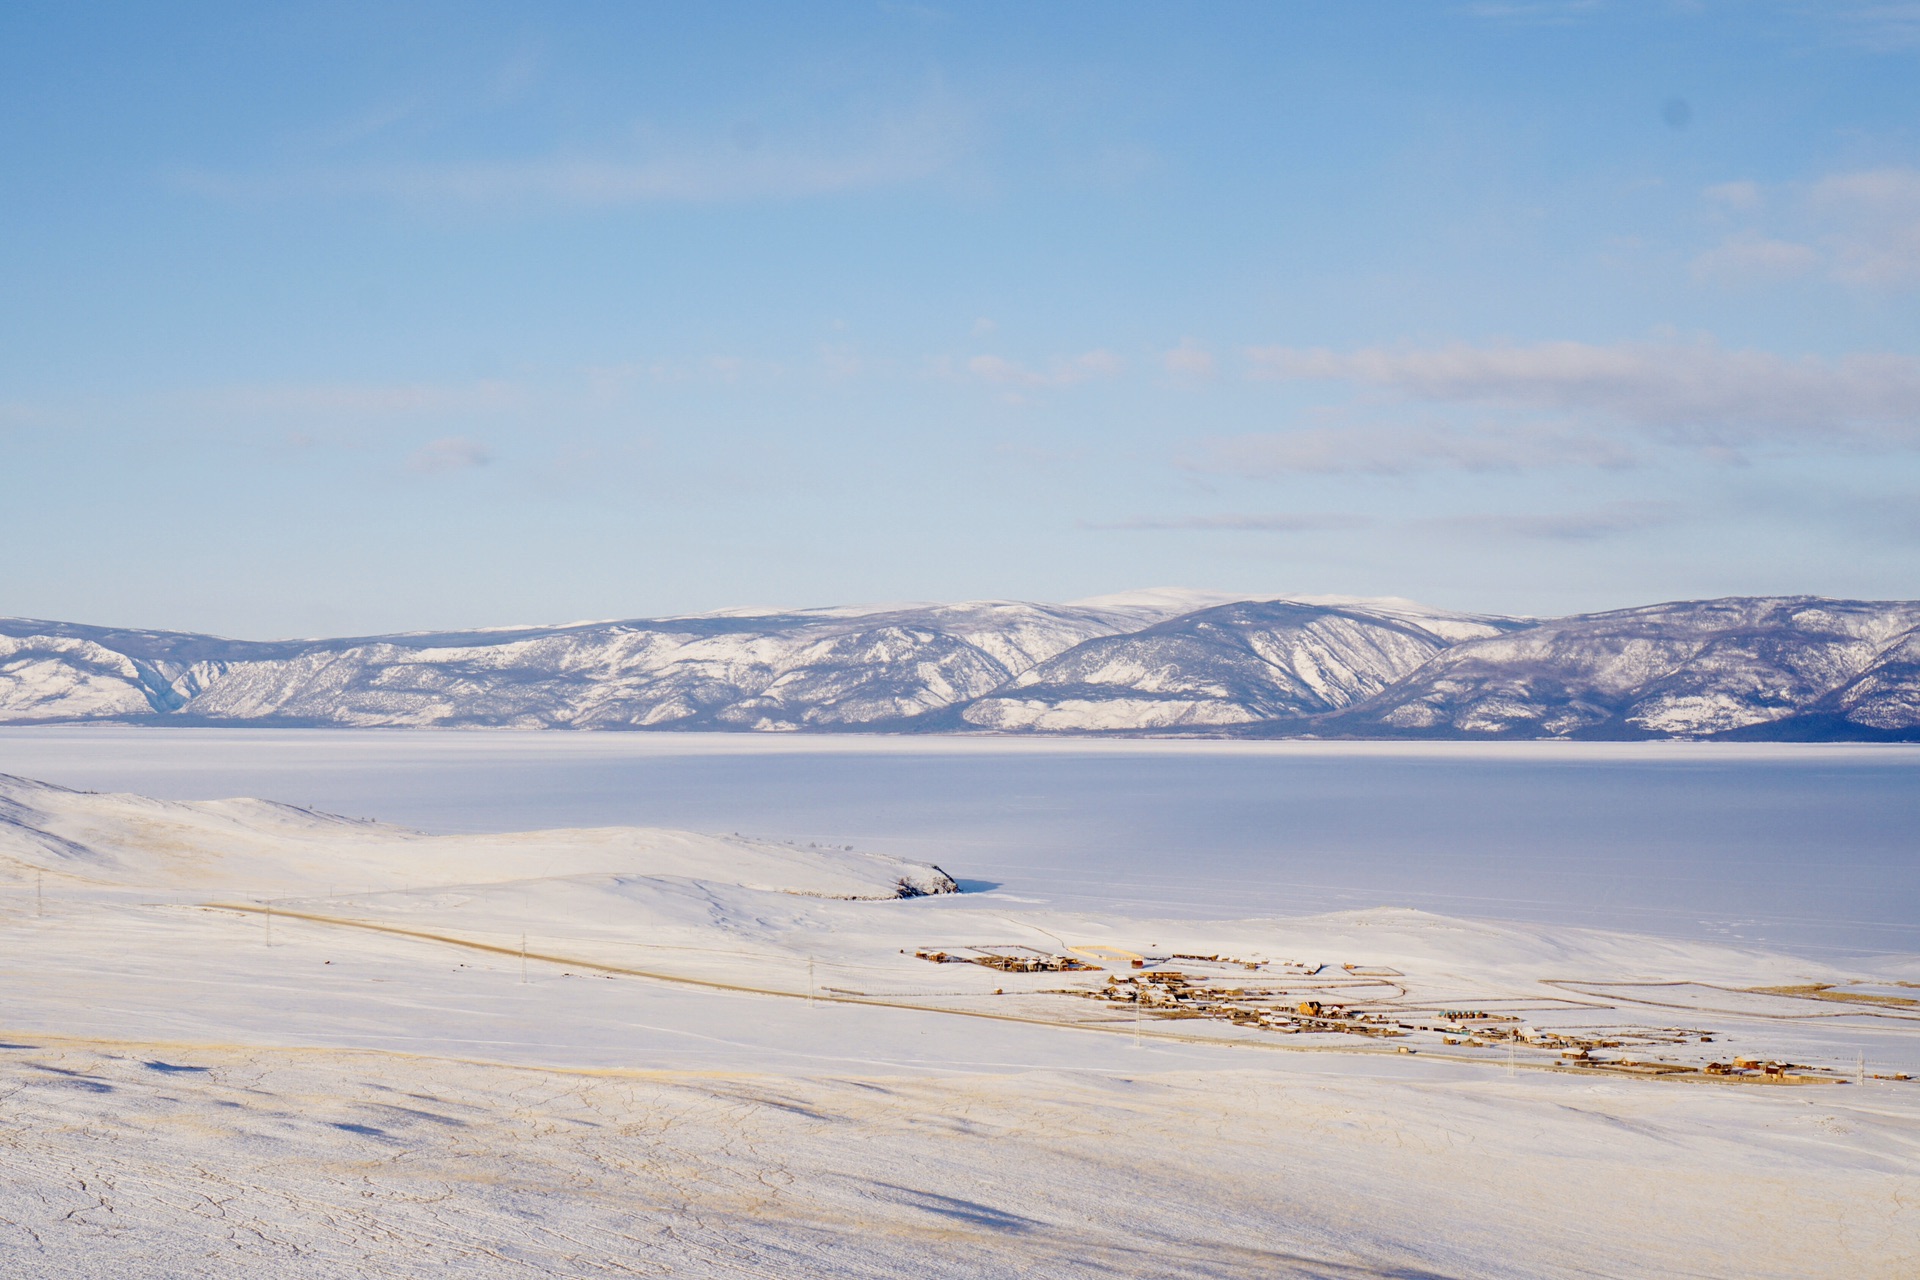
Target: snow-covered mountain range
1787, 668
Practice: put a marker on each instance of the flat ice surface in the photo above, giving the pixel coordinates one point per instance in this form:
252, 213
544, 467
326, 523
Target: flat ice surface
1809, 849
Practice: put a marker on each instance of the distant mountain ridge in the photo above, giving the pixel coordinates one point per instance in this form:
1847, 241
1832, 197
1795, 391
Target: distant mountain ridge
1795, 668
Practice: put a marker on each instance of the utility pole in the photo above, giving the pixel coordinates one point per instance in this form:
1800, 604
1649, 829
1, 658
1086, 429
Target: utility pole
810, 1003
1138, 994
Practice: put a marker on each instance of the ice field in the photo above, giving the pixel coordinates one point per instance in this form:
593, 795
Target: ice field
1804, 848
673, 1006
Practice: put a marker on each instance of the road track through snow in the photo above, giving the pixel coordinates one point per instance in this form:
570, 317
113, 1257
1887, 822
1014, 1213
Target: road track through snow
1125, 1027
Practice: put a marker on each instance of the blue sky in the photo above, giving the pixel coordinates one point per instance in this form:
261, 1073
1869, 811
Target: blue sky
343, 318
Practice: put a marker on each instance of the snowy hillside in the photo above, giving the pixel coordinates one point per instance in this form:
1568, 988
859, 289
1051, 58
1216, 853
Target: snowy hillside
1794, 668
633, 1052
1144, 662
1235, 664
92, 839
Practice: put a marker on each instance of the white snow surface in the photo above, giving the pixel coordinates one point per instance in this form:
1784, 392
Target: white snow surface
135, 841
243, 1038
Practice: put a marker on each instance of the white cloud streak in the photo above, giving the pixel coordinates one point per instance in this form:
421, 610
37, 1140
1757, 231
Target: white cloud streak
1397, 450
1690, 390
1572, 404
1860, 228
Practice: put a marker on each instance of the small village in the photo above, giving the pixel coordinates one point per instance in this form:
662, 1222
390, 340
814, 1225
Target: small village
1372, 1002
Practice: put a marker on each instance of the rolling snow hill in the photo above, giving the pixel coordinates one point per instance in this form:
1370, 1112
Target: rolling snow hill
96, 839
243, 1039
1792, 668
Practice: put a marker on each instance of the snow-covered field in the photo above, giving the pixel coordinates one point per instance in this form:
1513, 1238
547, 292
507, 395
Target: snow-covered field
247, 1038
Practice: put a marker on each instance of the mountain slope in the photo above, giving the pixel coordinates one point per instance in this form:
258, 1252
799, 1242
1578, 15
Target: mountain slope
1234, 664
782, 671
1690, 669
1148, 662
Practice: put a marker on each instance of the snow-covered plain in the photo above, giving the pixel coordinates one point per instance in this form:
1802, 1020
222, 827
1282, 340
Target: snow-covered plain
720, 1056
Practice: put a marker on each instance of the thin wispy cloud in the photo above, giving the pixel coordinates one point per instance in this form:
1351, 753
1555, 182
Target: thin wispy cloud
1535, 11
1752, 258
1190, 360
453, 453
1860, 228
1890, 27
1066, 371
1377, 449
1687, 389
1588, 525
1284, 523
1743, 196
709, 172
841, 361
359, 399
608, 383
1879, 215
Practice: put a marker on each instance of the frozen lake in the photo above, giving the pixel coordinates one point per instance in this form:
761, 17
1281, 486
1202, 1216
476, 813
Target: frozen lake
1812, 849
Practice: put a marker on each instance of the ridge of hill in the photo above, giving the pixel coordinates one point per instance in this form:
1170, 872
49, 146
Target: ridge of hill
1784, 668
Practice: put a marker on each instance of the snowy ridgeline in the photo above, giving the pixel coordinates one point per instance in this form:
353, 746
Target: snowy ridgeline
1797, 668
246, 1039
